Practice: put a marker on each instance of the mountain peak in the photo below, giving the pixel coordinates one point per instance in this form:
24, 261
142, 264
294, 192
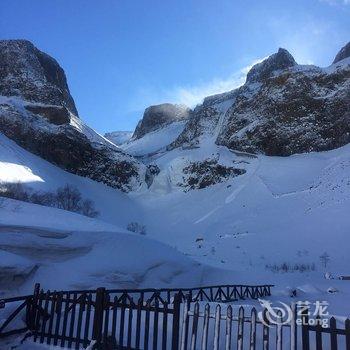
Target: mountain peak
158, 116
33, 75
279, 60
343, 53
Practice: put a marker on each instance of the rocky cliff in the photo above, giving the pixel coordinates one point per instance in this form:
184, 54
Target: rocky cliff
38, 112
156, 117
283, 108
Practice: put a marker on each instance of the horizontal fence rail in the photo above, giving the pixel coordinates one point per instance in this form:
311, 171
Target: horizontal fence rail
222, 294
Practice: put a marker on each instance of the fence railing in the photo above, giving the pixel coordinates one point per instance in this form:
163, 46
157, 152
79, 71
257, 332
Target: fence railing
205, 326
145, 318
222, 293
156, 319
20, 304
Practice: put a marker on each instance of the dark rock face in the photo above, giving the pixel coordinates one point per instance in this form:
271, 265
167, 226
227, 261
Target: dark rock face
202, 121
28, 73
72, 151
54, 114
343, 53
293, 112
282, 109
42, 118
156, 117
278, 61
209, 172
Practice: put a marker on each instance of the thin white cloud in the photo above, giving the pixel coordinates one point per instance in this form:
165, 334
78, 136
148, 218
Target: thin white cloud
191, 95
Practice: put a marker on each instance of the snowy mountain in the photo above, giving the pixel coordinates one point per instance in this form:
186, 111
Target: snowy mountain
38, 112
118, 137
282, 109
48, 245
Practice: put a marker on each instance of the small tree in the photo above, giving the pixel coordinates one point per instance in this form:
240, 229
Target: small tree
68, 198
136, 228
325, 258
88, 209
14, 190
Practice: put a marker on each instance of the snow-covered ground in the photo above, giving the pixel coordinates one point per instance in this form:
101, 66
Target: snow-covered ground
118, 137
154, 141
282, 210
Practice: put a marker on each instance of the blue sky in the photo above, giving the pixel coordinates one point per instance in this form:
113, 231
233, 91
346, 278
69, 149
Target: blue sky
122, 55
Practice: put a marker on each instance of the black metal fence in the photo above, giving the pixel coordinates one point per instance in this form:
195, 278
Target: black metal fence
130, 319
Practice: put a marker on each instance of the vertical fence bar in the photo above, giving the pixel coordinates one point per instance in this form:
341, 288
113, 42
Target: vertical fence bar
195, 326
228, 328
253, 329
333, 332
80, 319
98, 316
122, 322
293, 327
155, 324
205, 327
130, 316
147, 320
138, 323
318, 333
266, 330
45, 318
52, 317
305, 328
106, 319
188, 302
184, 326
32, 309
165, 326
279, 330
347, 333
217, 328
65, 320
176, 322
87, 321
72, 321
38, 314
240, 329
58, 318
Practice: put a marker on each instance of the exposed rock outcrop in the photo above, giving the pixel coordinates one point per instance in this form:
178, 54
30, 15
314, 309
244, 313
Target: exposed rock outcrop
199, 175
343, 53
32, 75
156, 117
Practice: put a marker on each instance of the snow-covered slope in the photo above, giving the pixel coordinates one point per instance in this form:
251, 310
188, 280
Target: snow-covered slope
281, 210
64, 250
118, 137
154, 141
18, 165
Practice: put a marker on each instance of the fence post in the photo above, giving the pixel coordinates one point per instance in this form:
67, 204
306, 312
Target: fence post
98, 316
176, 323
32, 308
333, 332
305, 328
